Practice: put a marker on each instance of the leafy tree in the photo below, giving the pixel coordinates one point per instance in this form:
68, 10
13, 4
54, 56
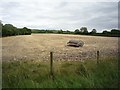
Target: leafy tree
1, 25
60, 31
105, 32
8, 30
68, 32
84, 30
115, 31
94, 31
26, 31
49, 31
77, 31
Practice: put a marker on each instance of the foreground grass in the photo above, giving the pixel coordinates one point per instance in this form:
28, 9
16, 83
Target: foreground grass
34, 74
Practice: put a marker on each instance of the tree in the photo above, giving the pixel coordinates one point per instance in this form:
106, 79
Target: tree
68, 32
84, 30
8, 30
105, 32
115, 31
77, 31
94, 31
26, 31
60, 31
1, 25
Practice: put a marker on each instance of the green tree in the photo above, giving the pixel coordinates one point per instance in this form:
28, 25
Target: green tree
115, 31
94, 31
68, 32
60, 31
84, 30
1, 25
77, 31
105, 32
26, 31
8, 30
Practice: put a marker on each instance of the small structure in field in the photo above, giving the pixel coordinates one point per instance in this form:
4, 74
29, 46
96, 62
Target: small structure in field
75, 43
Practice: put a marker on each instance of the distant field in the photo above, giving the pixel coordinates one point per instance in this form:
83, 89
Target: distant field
38, 46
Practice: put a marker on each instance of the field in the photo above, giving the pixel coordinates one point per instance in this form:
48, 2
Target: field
25, 62
38, 46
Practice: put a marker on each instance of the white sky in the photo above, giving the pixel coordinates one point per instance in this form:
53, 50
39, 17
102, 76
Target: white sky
60, 14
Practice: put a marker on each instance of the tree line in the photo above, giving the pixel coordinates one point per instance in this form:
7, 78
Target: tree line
10, 30
52, 31
84, 31
81, 31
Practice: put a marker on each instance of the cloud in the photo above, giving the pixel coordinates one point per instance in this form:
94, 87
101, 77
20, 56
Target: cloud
67, 15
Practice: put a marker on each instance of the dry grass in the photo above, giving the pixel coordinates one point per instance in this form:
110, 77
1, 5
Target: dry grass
38, 46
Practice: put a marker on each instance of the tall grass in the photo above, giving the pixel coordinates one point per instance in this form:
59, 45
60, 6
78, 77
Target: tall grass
34, 74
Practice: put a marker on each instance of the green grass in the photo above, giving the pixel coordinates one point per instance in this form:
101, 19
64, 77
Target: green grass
74, 74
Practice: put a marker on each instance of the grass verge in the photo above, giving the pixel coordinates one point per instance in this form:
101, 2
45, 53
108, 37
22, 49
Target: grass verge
74, 74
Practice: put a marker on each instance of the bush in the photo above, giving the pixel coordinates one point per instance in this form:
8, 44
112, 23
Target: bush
10, 30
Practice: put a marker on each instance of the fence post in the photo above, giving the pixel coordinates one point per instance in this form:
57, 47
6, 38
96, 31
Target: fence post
51, 64
98, 54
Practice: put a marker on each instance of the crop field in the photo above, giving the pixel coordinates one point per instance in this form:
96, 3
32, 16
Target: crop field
26, 62
38, 46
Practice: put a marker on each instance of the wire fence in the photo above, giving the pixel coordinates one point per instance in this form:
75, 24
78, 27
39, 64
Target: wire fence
76, 55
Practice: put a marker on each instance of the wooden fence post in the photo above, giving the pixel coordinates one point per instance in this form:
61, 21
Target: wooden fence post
51, 64
98, 54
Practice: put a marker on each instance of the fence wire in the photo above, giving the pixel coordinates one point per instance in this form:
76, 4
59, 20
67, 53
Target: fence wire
63, 55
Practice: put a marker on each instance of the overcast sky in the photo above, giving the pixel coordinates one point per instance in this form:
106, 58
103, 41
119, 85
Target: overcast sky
60, 14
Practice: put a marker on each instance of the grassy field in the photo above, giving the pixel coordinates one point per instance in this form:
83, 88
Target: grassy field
36, 74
